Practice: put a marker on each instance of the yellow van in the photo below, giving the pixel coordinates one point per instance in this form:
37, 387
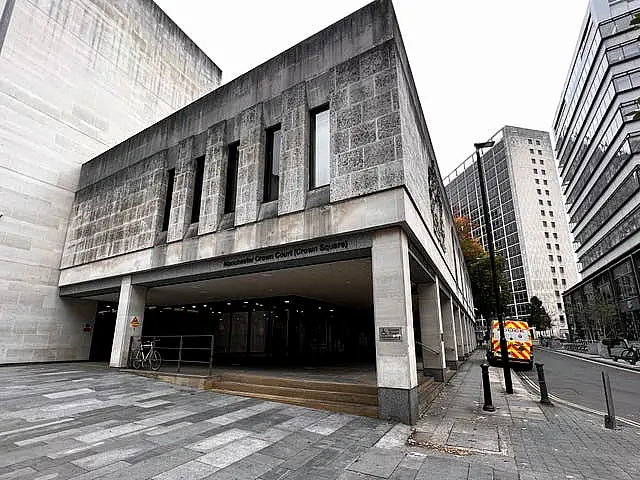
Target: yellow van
518, 343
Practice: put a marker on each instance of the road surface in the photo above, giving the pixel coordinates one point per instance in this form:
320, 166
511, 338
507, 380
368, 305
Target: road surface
580, 382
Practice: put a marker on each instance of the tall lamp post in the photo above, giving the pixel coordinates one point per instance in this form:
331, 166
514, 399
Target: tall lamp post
504, 350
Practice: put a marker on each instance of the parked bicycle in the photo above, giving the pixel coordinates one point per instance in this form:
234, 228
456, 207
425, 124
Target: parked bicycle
147, 356
630, 354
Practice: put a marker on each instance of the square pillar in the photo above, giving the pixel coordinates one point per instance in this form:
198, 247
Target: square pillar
183, 186
449, 330
294, 150
460, 319
470, 334
131, 304
474, 337
397, 377
433, 356
213, 179
250, 178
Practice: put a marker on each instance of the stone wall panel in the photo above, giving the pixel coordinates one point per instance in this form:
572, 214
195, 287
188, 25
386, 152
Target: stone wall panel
215, 173
365, 124
180, 214
250, 178
294, 150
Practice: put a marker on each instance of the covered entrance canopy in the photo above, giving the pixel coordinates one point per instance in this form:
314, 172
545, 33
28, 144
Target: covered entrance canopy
314, 313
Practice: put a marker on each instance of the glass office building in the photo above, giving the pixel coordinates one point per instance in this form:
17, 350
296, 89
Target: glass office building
597, 144
529, 225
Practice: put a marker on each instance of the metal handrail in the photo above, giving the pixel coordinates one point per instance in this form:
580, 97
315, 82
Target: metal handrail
427, 347
180, 348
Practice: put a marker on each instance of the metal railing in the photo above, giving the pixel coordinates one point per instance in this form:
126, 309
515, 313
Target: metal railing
180, 350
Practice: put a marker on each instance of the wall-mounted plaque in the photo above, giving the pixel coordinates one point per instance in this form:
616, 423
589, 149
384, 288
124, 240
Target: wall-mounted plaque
390, 334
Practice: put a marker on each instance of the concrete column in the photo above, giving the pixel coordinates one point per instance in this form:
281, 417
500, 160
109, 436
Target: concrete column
397, 378
459, 319
433, 356
130, 304
294, 150
213, 180
471, 332
250, 165
449, 330
180, 213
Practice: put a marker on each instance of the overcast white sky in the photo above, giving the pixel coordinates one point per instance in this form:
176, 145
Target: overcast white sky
478, 64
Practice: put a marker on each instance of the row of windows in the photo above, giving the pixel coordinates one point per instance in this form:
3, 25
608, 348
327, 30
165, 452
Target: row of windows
595, 160
577, 80
612, 56
619, 197
532, 151
558, 256
549, 246
544, 224
543, 172
553, 269
318, 171
531, 141
541, 202
540, 161
615, 164
544, 182
621, 24
616, 235
564, 282
555, 235
539, 191
542, 212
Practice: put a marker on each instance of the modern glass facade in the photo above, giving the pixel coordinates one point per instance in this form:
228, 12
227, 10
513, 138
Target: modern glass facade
597, 145
530, 231
464, 195
281, 330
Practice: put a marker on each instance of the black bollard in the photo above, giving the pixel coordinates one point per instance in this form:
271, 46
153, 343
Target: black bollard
610, 416
544, 395
488, 403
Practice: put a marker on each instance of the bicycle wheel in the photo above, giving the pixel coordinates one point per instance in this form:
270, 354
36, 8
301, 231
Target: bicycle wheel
155, 361
137, 359
628, 356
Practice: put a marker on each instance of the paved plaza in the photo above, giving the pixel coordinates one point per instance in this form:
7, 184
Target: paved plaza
85, 421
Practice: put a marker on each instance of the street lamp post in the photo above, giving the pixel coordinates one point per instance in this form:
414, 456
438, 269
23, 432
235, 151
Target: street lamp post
504, 350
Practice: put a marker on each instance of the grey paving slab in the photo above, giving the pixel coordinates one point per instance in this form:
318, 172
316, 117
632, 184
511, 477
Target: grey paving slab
377, 461
90, 422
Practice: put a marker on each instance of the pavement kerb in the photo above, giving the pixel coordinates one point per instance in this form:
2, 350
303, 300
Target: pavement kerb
598, 359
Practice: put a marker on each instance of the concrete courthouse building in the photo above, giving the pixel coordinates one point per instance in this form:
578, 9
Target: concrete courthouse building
295, 213
76, 77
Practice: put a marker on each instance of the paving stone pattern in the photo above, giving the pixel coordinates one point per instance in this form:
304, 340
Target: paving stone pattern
523, 437
85, 421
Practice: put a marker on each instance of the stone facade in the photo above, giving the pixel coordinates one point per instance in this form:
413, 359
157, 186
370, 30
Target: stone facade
382, 170
78, 76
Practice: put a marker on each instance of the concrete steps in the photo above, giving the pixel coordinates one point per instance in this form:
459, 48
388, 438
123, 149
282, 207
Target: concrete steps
351, 398
428, 390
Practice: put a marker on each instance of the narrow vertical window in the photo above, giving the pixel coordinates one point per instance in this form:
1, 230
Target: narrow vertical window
167, 202
272, 165
319, 171
232, 179
197, 190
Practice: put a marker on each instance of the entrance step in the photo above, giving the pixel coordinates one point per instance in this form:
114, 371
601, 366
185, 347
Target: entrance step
428, 390
333, 396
